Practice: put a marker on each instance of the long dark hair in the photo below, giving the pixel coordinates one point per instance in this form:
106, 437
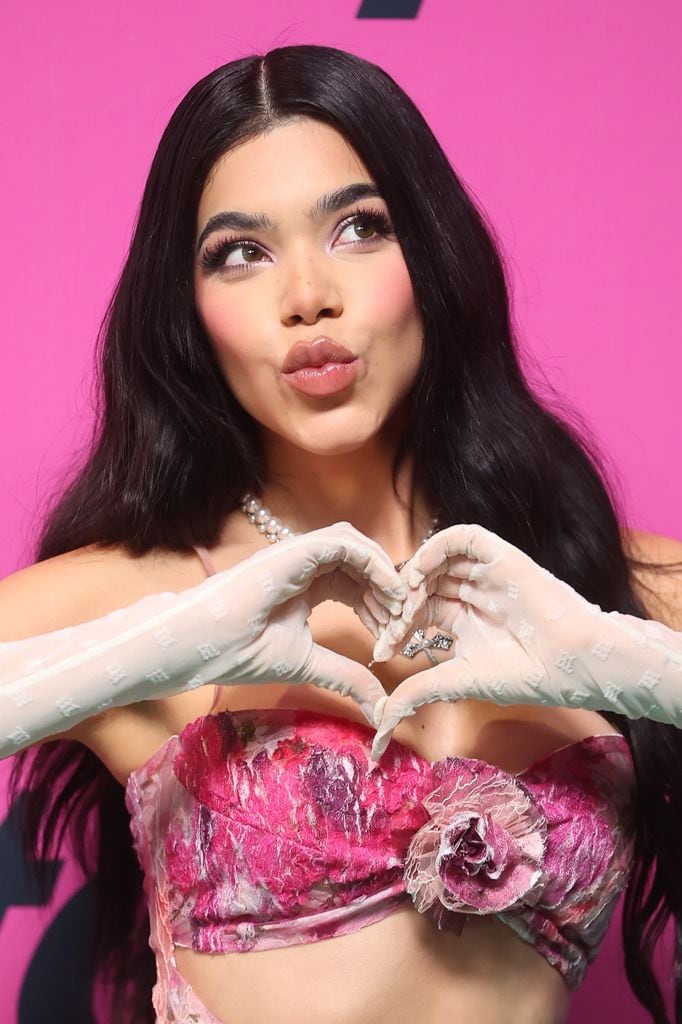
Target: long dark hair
173, 452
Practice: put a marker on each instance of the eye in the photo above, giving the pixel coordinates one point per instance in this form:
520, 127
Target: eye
377, 221
214, 258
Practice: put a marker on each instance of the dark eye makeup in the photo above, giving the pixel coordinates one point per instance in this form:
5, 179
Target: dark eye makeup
212, 259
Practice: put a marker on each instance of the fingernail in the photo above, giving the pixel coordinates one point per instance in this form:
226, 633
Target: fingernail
379, 710
414, 577
408, 608
381, 648
395, 628
379, 746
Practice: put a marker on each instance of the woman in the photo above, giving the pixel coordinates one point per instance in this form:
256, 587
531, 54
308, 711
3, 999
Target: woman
300, 211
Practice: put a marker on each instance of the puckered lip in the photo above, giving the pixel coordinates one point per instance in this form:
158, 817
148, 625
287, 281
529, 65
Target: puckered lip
317, 352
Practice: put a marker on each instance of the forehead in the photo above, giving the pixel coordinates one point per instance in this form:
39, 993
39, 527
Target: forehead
290, 164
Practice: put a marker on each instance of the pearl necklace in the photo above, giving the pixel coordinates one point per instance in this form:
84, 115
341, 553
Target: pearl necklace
275, 530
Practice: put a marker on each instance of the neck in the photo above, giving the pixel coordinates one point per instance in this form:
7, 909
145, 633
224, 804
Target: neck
308, 491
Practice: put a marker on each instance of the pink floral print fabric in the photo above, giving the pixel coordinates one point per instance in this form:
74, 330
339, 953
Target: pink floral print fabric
258, 829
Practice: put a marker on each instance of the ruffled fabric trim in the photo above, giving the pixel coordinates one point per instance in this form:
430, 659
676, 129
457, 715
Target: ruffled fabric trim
483, 847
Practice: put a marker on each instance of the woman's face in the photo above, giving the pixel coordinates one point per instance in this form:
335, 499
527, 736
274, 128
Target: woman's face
259, 290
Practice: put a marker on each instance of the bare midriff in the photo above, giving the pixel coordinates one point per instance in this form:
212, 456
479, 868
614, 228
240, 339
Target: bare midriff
400, 970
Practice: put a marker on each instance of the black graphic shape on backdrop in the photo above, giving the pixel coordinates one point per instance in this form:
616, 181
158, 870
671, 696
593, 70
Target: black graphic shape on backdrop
389, 8
58, 983
18, 887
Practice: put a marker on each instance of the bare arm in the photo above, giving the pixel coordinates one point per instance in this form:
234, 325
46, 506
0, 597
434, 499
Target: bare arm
247, 624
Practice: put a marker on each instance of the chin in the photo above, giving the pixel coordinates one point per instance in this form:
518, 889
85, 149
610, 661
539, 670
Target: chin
335, 446
330, 432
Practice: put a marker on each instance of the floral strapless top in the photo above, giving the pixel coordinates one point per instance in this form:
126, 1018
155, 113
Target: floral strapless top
259, 829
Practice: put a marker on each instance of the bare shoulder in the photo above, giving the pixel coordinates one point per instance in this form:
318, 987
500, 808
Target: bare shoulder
659, 582
85, 584
81, 585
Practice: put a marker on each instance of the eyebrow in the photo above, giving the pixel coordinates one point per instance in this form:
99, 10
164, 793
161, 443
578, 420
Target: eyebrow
327, 204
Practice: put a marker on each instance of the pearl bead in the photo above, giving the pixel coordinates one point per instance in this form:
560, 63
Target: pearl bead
275, 530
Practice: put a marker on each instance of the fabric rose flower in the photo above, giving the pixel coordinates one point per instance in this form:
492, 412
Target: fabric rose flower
483, 848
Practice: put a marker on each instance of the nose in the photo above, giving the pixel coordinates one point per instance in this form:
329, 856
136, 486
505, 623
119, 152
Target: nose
309, 288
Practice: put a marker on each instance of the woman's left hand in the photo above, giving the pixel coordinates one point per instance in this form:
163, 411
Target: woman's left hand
522, 636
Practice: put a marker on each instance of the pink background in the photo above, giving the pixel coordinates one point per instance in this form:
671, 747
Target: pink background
565, 123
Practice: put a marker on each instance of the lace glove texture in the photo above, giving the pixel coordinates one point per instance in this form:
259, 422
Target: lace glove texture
247, 624
523, 637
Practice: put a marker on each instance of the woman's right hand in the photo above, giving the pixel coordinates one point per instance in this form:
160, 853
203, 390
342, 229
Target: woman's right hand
271, 595
248, 624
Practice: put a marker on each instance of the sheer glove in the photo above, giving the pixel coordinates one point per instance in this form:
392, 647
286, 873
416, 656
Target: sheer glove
523, 637
247, 624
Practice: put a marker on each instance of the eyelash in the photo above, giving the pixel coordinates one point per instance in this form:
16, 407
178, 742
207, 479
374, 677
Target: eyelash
213, 257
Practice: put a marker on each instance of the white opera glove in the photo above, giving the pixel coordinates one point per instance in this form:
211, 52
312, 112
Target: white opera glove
523, 637
247, 624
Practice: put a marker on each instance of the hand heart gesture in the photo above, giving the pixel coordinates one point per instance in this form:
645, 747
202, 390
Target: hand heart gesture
518, 629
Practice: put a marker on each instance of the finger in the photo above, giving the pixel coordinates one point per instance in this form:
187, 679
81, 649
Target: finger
417, 597
305, 556
470, 540
361, 538
463, 568
373, 615
393, 604
338, 586
439, 609
378, 571
482, 600
444, 580
442, 613
333, 671
393, 635
448, 681
386, 647
446, 592
446, 588
424, 603
368, 620
419, 612
376, 608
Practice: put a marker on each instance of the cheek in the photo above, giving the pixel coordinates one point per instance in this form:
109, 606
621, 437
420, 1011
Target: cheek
391, 300
396, 326
397, 315
228, 324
